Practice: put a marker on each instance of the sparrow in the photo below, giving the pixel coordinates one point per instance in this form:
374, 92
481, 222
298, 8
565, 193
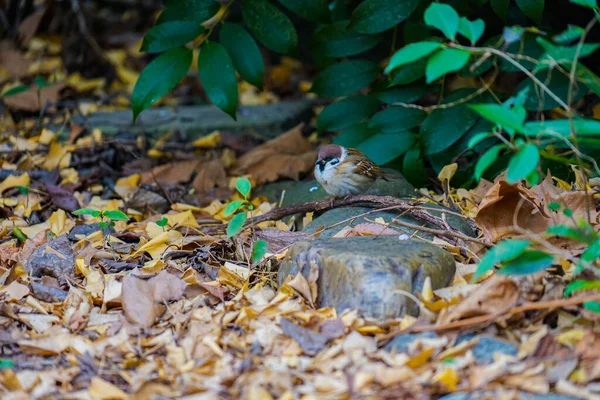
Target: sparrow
343, 171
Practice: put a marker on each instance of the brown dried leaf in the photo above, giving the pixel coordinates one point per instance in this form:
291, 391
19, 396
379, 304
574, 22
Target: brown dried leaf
286, 156
494, 296
28, 100
175, 172
311, 342
210, 174
13, 60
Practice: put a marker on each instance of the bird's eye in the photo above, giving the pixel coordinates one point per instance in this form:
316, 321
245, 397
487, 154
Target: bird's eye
334, 161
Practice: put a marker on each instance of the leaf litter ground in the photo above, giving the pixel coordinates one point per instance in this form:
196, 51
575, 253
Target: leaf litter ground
145, 309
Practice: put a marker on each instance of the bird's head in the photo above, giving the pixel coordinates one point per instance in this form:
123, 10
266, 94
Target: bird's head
329, 157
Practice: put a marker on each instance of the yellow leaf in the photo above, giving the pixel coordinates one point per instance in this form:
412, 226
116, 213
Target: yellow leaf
69, 175
570, 338
100, 389
59, 223
258, 393
185, 207
153, 267
209, 141
183, 219
370, 329
447, 172
47, 136
31, 231
13, 181
427, 291
448, 377
420, 359
126, 187
58, 156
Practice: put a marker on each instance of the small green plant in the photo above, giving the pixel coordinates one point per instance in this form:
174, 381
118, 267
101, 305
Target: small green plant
107, 219
239, 208
162, 223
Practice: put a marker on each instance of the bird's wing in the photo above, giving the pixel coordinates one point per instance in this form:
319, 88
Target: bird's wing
364, 166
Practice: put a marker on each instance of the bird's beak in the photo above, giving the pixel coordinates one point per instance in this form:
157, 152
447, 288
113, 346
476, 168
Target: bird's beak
320, 161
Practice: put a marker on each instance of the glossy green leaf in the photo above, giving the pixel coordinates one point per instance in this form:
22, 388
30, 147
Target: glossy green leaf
443, 17
503, 251
503, 116
477, 138
312, 10
259, 250
581, 285
588, 78
346, 112
115, 215
345, 78
385, 147
444, 62
578, 234
6, 363
592, 306
554, 206
218, 77
586, 3
169, 35
526, 46
572, 33
19, 235
337, 40
236, 224
409, 73
443, 127
188, 10
397, 119
500, 7
523, 163
270, 26
232, 207
529, 262
374, 16
403, 94
472, 30
355, 135
557, 83
563, 55
15, 90
162, 222
582, 126
87, 211
244, 52
592, 252
159, 77
410, 53
487, 159
533, 9
413, 167
243, 186
41, 82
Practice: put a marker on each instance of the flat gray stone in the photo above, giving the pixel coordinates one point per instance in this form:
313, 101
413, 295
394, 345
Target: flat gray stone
401, 343
262, 121
54, 258
367, 273
487, 346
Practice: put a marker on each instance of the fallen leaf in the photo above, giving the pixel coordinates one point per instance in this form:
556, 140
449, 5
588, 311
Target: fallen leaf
13, 60
311, 341
28, 100
210, 174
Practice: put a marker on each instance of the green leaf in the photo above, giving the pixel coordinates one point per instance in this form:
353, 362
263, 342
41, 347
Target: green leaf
336, 40
503, 251
354, 135
583, 127
529, 262
41, 82
592, 306
588, 78
15, 90
244, 52
568, 212
558, 83
103, 224
554, 206
259, 250
243, 186
410, 53
345, 78
162, 222
572, 33
169, 35
270, 26
445, 61
443, 127
236, 224
159, 77
346, 112
526, 46
218, 77
6, 363
503, 116
409, 73
487, 159
581, 285
385, 147
578, 234
87, 211
586, 3
443, 17
472, 30
500, 7
403, 94
562, 54
374, 16
397, 119
19, 235
523, 163
413, 167
312, 10
197, 11
477, 138
592, 252
533, 9
233, 207
115, 215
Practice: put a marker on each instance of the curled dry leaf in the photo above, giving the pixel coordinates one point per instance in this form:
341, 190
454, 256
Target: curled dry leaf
286, 156
493, 297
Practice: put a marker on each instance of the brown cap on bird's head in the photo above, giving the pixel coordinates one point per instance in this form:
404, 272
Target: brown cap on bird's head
329, 151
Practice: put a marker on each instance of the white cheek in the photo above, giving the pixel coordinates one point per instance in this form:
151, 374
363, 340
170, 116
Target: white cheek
329, 172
